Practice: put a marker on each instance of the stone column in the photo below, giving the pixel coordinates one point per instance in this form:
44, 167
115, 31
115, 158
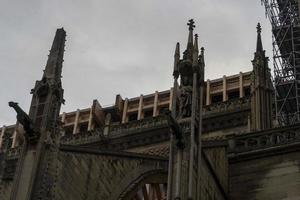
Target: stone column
125, 107
90, 124
171, 98
15, 136
224, 89
193, 140
208, 99
241, 85
140, 111
155, 104
107, 124
76, 121
63, 117
2, 135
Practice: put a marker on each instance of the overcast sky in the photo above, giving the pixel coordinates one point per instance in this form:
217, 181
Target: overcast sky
120, 46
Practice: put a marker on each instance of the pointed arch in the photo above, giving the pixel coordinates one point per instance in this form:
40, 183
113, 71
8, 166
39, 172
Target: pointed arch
149, 185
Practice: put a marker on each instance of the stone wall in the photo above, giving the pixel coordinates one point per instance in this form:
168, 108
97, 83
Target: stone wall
95, 175
5, 189
217, 157
8, 164
211, 188
267, 178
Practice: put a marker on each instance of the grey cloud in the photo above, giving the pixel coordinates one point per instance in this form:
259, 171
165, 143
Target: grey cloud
117, 46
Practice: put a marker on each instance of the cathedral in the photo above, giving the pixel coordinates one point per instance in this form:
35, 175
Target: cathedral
199, 140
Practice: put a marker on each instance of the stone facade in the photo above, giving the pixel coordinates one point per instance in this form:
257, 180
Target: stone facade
219, 141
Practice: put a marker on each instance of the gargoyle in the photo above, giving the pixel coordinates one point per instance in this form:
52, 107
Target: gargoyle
30, 132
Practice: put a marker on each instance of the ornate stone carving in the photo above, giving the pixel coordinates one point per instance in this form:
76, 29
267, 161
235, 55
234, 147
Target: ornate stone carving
132, 127
265, 139
83, 138
128, 130
185, 97
8, 161
231, 105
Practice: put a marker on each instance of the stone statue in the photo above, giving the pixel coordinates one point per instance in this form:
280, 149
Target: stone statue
186, 89
185, 97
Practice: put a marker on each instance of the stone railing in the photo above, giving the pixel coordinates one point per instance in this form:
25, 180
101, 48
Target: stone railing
265, 139
138, 126
230, 105
116, 130
83, 137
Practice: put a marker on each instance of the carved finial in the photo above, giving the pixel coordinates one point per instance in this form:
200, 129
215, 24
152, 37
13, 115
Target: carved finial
258, 27
177, 49
196, 49
202, 56
202, 50
176, 60
191, 24
196, 42
195, 52
188, 54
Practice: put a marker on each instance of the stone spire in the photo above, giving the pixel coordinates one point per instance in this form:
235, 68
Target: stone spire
55, 60
189, 48
259, 46
191, 28
202, 56
42, 128
261, 88
50, 86
176, 60
195, 51
202, 65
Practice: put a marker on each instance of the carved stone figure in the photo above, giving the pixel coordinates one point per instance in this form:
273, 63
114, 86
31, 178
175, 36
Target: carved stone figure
185, 109
186, 89
30, 132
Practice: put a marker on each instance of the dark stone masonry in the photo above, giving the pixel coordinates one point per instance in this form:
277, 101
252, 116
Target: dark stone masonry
202, 139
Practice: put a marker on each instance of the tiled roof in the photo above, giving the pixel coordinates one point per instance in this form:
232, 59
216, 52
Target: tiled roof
161, 149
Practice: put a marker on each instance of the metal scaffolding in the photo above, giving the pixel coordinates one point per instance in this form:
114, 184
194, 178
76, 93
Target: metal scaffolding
284, 18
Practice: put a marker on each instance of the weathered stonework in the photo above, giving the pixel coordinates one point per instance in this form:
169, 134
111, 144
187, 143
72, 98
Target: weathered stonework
216, 143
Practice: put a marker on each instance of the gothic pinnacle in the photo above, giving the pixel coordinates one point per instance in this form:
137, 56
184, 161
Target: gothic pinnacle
258, 27
196, 43
202, 55
202, 50
259, 46
191, 24
176, 60
190, 38
195, 51
55, 59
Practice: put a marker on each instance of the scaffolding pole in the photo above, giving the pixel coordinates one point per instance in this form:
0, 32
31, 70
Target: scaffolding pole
284, 18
